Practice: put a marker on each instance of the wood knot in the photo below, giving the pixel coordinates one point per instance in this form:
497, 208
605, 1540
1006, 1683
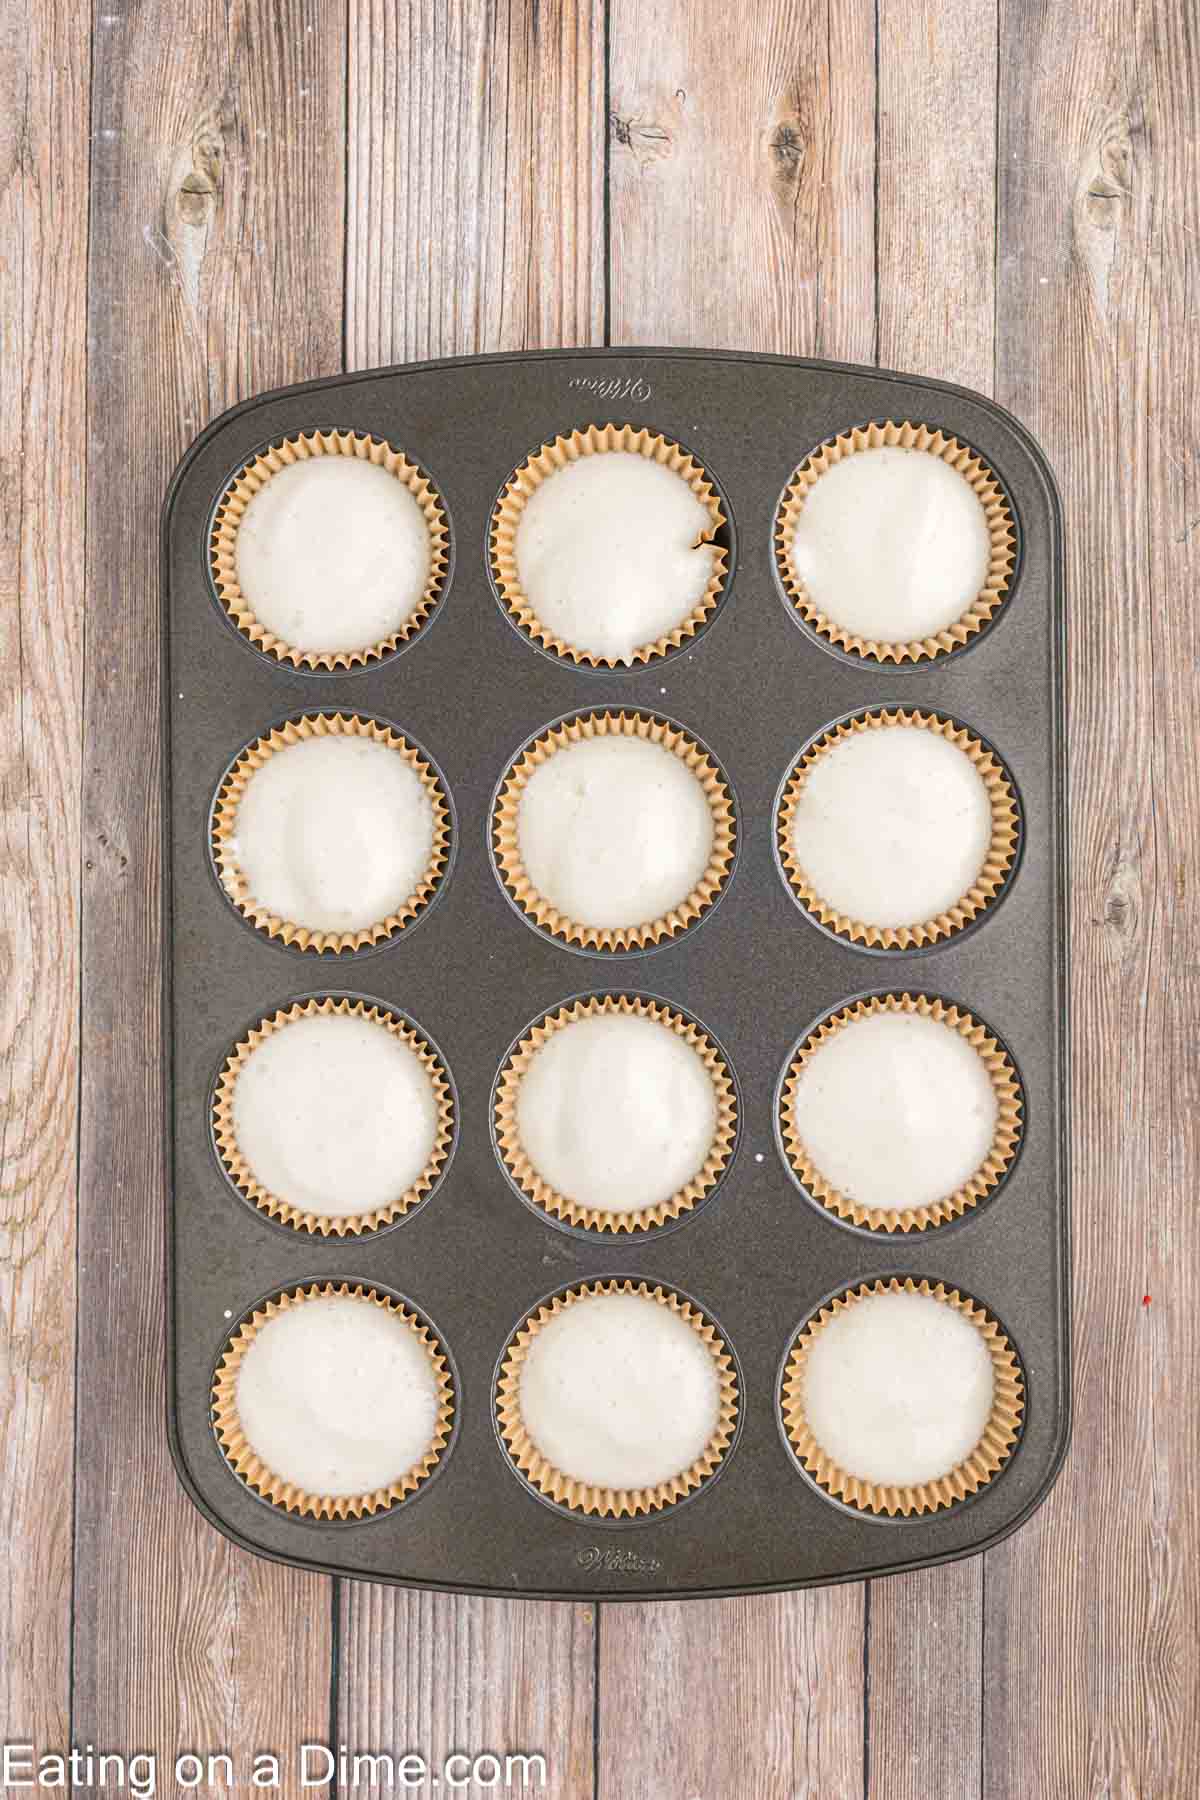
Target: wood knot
1109, 183
787, 142
1121, 897
647, 142
198, 192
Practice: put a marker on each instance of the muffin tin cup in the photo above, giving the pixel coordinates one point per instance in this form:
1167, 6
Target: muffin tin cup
989, 1457
223, 832
583, 728
606, 1502
560, 454
561, 1207
997, 512
474, 972
988, 886
1006, 1139
285, 1495
250, 480
273, 1206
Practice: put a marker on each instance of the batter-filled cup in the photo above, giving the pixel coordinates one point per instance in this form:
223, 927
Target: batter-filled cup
900, 1112
604, 547
902, 1397
897, 829
615, 1113
333, 1401
334, 1116
329, 550
614, 831
331, 832
615, 1398
895, 543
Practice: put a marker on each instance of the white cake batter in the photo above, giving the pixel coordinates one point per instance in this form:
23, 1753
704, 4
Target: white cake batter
614, 831
895, 1110
333, 554
616, 1112
335, 1115
892, 544
619, 1392
337, 1396
898, 1389
892, 826
334, 833
609, 555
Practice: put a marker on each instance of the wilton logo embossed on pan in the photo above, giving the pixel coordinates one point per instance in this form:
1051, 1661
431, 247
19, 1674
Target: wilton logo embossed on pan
613, 387
619, 1562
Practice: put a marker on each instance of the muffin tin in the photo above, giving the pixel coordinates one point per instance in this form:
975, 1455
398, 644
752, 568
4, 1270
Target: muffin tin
755, 685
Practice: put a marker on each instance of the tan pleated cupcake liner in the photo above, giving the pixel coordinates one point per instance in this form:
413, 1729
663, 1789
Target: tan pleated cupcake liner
985, 1461
579, 730
606, 1502
1001, 852
995, 1166
987, 490
243, 1176
547, 461
254, 476
561, 1206
224, 832
285, 1494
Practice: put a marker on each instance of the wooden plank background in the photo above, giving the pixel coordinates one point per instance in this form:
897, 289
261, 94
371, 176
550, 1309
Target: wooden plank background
202, 199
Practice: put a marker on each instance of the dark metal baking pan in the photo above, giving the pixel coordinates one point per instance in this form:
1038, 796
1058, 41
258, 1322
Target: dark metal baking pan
755, 687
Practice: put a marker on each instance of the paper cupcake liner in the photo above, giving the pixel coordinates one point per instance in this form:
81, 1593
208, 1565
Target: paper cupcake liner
577, 730
285, 1494
224, 832
579, 1496
1005, 1085
242, 1175
593, 440
985, 1461
561, 1206
987, 490
987, 885
253, 477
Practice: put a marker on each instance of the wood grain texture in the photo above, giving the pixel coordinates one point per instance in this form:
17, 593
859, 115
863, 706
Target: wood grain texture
742, 211
937, 238
476, 214
439, 1674
937, 188
712, 1699
1092, 1680
44, 53
742, 168
217, 220
476, 202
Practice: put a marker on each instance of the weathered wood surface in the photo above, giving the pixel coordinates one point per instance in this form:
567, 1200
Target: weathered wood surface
215, 269
1091, 1675
475, 222
44, 53
989, 190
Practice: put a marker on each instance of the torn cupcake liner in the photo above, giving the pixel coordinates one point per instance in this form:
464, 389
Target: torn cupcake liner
991, 1453
224, 831
984, 890
562, 1206
579, 729
1006, 1086
250, 1468
583, 1497
997, 512
273, 1205
552, 457
254, 475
